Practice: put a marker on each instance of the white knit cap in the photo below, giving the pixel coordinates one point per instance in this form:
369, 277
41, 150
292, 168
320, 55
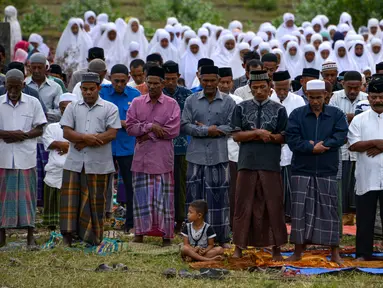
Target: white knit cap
315, 85
68, 97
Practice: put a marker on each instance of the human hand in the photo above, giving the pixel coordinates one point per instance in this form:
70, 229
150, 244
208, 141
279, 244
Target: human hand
213, 131
123, 124
264, 135
196, 249
92, 140
319, 148
312, 142
143, 138
199, 123
16, 136
202, 251
64, 147
372, 152
158, 130
79, 146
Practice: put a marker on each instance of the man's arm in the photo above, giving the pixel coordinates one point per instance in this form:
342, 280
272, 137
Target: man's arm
107, 136
226, 128
172, 126
189, 127
135, 127
294, 138
339, 136
35, 132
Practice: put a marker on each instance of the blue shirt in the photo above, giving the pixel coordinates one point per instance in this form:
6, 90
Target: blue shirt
181, 142
197, 89
124, 144
301, 93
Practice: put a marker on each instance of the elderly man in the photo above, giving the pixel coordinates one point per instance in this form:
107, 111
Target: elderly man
245, 91
180, 94
206, 118
290, 101
258, 216
89, 125
196, 86
330, 74
366, 139
308, 74
315, 132
122, 96
22, 120
154, 119
347, 100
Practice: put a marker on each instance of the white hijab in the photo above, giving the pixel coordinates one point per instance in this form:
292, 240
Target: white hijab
248, 37
222, 56
168, 53
72, 50
283, 29
316, 63
172, 29
264, 46
345, 63
205, 46
322, 47
114, 51
235, 25
188, 34
121, 27
96, 31
364, 61
138, 37
172, 21
42, 48
294, 64
255, 43
236, 62
373, 22
282, 66
133, 46
189, 62
346, 18
377, 58
87, 15
10, 15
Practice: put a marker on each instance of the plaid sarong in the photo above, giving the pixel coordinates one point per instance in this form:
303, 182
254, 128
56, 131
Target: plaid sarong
180, 167
212, 184
82, 205
286, 180
42, 160
314, 215
18, 198
153, 204
51, 215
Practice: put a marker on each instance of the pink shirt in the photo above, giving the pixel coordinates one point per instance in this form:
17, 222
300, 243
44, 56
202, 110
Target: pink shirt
154, 156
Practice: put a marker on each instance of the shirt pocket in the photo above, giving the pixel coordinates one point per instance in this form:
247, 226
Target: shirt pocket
27, 121
100, 125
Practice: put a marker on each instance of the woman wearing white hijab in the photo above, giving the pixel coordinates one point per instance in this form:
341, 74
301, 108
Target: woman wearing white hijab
264, 48
165, 48
114, 50
10, 15
96, 32
203, 34
236, 62
72, 49
341, 57
310, 57
287, 26
331, 29
376, 50
248, 37
86, 34
281, 62
189, 34
361, 57
235, 25
121, 27
189, 61
172, 21
133, 52
172, 32
325, 51
134, 32
346, 18
374, 29
317, 24
316, 40
255, 42
293, 59
38, 42
92, 21
308, 33
263, 35
274, 44
225, 51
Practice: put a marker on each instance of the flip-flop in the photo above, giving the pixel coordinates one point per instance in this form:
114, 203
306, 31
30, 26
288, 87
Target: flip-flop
170, 273
104, 268
120, 267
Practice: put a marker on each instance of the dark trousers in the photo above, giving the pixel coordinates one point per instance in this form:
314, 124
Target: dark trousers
125, 164
348, 187
233, 166
180, 168
365, 222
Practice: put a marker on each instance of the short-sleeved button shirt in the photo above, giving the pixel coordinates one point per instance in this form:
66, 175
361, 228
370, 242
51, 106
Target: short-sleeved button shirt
91, 120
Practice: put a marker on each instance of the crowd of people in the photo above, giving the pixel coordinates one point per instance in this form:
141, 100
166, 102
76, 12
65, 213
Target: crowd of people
240, 129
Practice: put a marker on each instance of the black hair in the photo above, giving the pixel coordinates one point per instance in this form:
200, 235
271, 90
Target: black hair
254, 63
252, 55
149, 65
136, 63
200, 206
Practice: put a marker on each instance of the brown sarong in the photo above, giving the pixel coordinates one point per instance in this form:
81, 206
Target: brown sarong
259, 218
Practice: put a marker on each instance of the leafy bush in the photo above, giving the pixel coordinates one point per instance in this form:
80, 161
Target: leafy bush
37, 20
19, 4
267, 5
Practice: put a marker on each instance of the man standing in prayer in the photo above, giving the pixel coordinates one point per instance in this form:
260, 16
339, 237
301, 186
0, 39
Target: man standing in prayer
225, 85
122, 96
366, 139
330, 74
290, 101
243, 80
270, 64
245, 91
154, 119
22, 120
314, 133
258, 217
137, 73
206, 118
308, 74
180, 143
347, 100
58, 147
197, 87
89, 125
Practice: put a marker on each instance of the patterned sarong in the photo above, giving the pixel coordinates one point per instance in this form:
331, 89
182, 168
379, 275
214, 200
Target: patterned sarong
314, 214
51, 216
180, 167
18, 198
42, 160
212, 184
82, 205
153, 204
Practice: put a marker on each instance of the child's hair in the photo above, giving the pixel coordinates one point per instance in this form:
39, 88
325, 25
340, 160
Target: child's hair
200, 206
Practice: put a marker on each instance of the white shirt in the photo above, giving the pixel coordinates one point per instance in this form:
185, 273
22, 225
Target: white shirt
233, 146
340, 100
55, 165
196, 82
77, 88
132, 84
369, 170
291, 102
25, 115
244, 92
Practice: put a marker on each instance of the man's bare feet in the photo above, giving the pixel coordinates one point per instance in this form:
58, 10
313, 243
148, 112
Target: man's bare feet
218, 258
30, 239
138, 239
188, 259
337, 259
294, 258
225, 245
237, 252
67, 239
277, 256
2, 238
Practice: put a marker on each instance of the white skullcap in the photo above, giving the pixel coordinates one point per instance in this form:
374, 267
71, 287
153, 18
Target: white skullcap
315, 85
15, 74
38, 58
68, 97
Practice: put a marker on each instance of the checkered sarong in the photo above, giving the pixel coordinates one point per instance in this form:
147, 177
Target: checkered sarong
153, 204
314, 215
51, 215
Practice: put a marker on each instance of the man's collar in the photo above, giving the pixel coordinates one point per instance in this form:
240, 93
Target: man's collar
6, 99
99, 102
46, 81
172, 94
218, 95
161, 99
264, 102
309, 111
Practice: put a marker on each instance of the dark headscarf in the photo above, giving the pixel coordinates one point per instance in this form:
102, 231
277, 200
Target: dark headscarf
337, 36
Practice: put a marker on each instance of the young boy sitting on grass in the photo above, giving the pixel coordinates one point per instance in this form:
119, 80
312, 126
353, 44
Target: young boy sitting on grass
199, 236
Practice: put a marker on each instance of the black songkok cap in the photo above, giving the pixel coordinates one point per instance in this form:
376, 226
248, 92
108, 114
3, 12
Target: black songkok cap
56, 69
16, 65
156, 71
379, 66
310, 72
95, 53
90, 77
259, 75
205, 62
352, 76
170, 67
225, 72
281, 76
269, 57
119, 69
209, 70
376, 85
154, 58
